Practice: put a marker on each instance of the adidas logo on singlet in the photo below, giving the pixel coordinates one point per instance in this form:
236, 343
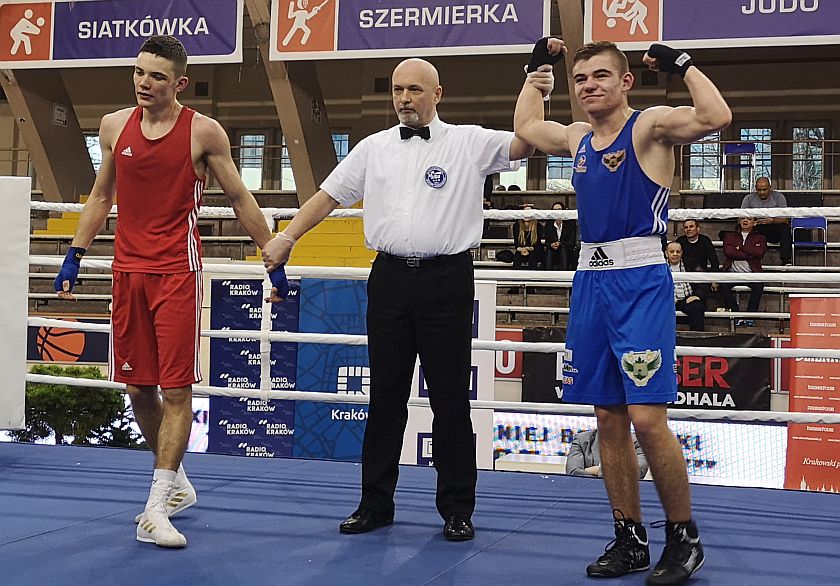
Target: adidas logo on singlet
600, 258
127, 151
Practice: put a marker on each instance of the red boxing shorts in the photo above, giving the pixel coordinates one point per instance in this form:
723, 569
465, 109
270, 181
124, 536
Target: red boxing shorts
155, 329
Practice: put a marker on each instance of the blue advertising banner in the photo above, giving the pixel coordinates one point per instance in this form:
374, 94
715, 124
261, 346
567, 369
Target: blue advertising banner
333, 307
250, 427
240, 425
97, 33
635, 24
340, 29
237, 304
330, 431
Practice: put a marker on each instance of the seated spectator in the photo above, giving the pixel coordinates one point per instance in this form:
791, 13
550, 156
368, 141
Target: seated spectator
584, 457
561, 243
698, 250
527, 238
514, 187
690, 298
776, 230
499, 188
743, 251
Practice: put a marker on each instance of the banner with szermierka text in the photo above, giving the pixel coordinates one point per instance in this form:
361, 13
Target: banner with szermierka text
102, 33
347, 29
635, 24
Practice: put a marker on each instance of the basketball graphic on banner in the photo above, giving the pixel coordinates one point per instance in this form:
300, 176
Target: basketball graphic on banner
60, 344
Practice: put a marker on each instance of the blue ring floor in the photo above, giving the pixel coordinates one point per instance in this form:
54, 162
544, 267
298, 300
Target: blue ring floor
67, 517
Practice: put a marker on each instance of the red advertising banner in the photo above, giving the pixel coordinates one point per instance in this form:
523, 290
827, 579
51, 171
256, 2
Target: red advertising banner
508, 362
813, 455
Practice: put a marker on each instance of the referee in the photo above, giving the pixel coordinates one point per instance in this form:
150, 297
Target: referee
421, 182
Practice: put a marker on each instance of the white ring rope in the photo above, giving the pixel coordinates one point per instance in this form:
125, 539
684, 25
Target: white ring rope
675, 215
493, 345
256, 270
560, 408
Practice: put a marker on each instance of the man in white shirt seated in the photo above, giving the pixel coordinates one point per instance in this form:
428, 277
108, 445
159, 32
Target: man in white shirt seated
776, 230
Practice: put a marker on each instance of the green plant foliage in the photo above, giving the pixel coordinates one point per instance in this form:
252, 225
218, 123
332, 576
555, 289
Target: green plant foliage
76, 415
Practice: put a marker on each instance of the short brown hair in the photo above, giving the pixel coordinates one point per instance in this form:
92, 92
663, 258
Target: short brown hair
169, 48
589, 50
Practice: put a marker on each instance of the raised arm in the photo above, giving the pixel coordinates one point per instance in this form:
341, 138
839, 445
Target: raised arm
685, 124
529, 121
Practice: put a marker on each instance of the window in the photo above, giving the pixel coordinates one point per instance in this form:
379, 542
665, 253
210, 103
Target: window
517, 178
92, 144
287, 177
341, 142
763, 155
558, 173
704, 163
808, 157
251, 153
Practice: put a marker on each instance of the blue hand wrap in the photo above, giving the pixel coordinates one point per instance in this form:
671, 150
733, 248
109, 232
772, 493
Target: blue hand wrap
69, 268
279, 281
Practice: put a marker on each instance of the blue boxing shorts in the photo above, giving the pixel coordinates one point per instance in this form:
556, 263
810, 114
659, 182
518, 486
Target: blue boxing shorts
621, 334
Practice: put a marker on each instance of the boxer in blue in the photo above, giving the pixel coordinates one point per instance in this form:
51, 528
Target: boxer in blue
621, 332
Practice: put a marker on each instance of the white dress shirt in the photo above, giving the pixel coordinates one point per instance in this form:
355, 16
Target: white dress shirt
421, 197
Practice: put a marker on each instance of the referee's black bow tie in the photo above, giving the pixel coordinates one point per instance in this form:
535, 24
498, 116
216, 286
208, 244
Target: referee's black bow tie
406, 132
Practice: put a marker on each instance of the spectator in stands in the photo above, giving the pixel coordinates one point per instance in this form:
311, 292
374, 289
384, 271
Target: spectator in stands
776, 230
698, 252
584, 457
499, 188
690, 298
561, 242
744, 251
527, 238
514, 187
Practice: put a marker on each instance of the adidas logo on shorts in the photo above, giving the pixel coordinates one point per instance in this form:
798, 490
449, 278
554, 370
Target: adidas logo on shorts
126, 367
600, 258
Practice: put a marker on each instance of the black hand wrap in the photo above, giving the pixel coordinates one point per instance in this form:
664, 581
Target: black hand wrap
541, 56
670, 60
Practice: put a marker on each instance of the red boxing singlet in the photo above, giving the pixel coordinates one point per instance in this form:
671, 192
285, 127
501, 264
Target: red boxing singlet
158, 197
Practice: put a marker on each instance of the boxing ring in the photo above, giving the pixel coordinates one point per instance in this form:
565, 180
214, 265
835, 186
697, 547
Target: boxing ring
66, 513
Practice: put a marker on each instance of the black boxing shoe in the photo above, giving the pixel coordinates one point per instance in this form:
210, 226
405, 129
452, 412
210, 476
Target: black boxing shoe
683, 555
627, 553
364, 520
458, 527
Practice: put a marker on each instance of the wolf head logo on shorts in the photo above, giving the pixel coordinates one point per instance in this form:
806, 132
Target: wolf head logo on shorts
612, 161
641, 366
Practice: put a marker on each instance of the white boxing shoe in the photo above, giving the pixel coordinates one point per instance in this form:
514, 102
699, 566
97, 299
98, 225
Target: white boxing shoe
180, 498
155, 527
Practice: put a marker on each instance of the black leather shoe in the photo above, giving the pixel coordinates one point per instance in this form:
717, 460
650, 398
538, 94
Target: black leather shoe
458, 527
363, 521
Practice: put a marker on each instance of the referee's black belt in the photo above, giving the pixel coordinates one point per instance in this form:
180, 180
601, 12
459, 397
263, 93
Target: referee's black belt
418, 262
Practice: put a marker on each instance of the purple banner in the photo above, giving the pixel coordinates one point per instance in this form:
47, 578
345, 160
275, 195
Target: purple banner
400, 24
748, 19
114, 29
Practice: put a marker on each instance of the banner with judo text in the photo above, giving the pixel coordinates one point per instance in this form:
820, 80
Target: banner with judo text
102, 33
348, 29
635, 24
813, 456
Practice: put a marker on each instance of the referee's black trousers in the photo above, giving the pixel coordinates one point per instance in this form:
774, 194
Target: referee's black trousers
425, 311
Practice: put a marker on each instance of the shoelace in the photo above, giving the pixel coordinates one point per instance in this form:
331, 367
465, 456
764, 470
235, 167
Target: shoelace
623, 542
676, 541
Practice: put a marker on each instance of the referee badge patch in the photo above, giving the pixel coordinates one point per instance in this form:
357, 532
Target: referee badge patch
435, 177
641, 366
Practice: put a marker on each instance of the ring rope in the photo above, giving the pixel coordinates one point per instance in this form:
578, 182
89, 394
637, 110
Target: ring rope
675, 215
477, 344
256, 270
557, 408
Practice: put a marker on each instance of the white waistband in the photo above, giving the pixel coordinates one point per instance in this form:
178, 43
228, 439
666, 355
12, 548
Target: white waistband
626, 253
